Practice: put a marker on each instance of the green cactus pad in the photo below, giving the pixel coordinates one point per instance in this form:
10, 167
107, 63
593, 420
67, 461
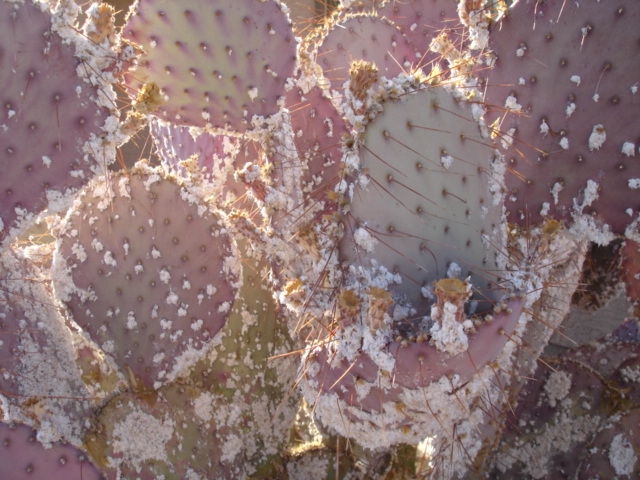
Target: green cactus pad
422, 199
217, 62
147, 271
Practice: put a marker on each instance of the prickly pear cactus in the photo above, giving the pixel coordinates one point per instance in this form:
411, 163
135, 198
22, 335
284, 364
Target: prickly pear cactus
347, 252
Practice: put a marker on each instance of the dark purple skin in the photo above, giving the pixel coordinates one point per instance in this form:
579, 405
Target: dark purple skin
23, 457
599, 390
417, 364
50, 120
599, 43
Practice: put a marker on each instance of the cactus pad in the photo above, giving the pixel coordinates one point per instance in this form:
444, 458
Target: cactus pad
167, 268
49, 118
423, 201
218, 63
22, 456
564, 97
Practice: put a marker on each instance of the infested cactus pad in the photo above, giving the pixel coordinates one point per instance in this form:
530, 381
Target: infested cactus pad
422, 199
22, 456
146, 270
563, 99
217, 62
50, 118
364, 38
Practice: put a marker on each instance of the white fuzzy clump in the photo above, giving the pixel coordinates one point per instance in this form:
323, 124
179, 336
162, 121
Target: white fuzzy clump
597, 137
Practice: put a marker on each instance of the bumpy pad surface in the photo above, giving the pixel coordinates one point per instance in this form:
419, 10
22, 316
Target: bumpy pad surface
151, 272
422, 20
364, 38
318, 134
218, 62
217, 156
564, 96
424, 201
46, 115
23, 457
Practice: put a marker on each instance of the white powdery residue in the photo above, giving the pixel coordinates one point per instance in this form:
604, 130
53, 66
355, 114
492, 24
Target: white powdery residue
555, 190
522, 81
171, 299
108, 346
364, 239
629, 149
576, 79
564, 143
211, 290
166, 324
570, 109
634, 183
544, 127
158, 358
165, 276
79, 251
203, 406
557, 387
124, 188
596, 97
521, 51
511, 103
109, 260
309, 467
448, 335
97, 245
186, 284
224, 307
154, 311
46, 161
631, 374
591, 193
253, 93
153, 178
138, 269
622, 455
155, 253
597, 137
131, 321
454, 270
544, 211
446, 160
197, 325
507, 139
141, 437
